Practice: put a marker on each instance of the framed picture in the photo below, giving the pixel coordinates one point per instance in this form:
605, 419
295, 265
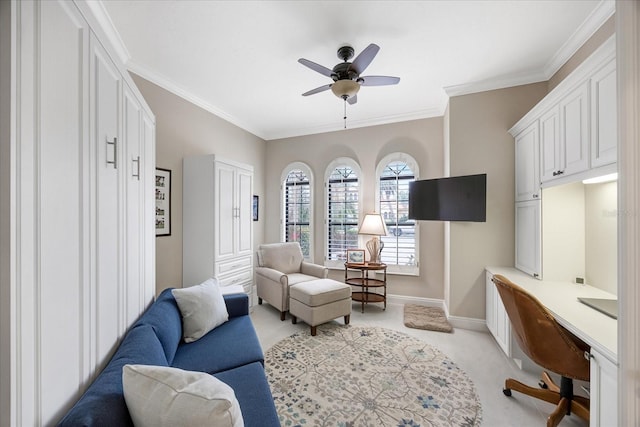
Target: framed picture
163, 202
355, 256
255, 206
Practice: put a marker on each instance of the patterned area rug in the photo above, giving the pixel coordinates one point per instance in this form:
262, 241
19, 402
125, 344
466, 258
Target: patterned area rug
350, 376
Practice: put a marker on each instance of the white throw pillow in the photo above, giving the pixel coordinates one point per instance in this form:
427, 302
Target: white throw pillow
162, 396
202, 309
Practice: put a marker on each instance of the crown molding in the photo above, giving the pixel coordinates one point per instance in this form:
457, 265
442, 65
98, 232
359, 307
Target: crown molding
106, 24
594, 21
170, 86
493, 84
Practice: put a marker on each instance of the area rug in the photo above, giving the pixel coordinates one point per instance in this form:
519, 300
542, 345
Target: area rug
422, 317
349, 376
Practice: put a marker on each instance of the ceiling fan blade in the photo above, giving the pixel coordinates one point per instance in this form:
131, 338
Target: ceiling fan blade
378, 80
365, 57
316, 90
316, 67
352, 100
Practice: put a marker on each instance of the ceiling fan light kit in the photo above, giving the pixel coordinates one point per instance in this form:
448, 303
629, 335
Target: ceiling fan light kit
346, 75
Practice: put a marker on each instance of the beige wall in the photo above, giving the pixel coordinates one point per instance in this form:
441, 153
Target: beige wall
183, 129
422, 139
479, 142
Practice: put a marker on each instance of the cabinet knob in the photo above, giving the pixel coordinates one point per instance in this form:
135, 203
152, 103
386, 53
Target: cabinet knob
535, 196
556, 173
588, 355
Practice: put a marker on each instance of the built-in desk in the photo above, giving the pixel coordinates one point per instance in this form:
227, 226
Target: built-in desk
596, 329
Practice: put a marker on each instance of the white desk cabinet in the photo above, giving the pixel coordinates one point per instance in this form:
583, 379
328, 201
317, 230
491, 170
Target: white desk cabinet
529, 237
217, 222
604, 129
497, 317
527, 164
603, 389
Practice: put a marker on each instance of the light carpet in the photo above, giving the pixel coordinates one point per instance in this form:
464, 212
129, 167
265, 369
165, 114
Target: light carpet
422, 317
350, 376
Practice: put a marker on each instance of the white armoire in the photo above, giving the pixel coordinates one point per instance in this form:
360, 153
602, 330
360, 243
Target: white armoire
217, 222
77, 254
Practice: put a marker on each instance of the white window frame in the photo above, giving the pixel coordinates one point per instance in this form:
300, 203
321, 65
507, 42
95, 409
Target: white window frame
341, 161
285, 172
413, 270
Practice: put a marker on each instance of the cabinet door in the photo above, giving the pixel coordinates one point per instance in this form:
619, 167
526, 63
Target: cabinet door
604, 113
574, 131
528, 237
550, 144
106, 97
225, 210
527, 168
490, 304
244, 219
503, 326
603, 391
134, 207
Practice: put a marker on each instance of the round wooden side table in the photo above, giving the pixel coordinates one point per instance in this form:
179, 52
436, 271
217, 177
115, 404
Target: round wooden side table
366, 284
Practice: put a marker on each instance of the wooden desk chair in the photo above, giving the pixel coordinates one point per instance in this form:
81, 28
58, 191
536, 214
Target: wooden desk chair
549, 345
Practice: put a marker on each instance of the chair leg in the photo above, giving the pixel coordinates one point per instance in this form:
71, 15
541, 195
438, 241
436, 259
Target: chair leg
294, 319
346, 319
538, 393
259, 301
561, 410
313, 331
282, 315
551, 385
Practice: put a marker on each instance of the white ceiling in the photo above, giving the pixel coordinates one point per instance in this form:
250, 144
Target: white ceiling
238, 59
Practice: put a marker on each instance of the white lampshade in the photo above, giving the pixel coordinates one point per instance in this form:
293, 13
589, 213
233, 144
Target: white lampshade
373, 224
345, 88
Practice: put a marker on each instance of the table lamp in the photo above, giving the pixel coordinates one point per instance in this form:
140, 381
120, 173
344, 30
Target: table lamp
373, 225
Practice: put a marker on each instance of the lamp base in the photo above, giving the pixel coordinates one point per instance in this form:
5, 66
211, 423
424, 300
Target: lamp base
374, 246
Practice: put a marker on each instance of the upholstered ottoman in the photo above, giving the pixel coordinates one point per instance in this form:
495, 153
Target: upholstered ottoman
318, 301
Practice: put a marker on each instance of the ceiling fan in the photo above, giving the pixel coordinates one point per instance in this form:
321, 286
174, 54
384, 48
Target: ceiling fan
346, 75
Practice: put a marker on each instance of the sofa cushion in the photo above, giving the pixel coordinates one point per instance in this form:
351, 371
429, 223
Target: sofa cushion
252, 391
295, 278
284, 257
232, 344
164, 316
103, 403
202, 308
160, 396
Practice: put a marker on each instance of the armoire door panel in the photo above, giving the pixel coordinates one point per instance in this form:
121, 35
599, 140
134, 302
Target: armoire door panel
106, 84
245, 217
226, 210
134, 289
61, 257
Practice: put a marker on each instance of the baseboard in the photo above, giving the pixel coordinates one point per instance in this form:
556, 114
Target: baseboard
456, 321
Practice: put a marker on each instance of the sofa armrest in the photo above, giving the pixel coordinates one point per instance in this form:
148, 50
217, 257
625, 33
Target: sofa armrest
271, 274
314, 270
237, 304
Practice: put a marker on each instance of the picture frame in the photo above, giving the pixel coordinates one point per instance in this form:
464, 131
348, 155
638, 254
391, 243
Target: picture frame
254, 207
355, 256
163, 202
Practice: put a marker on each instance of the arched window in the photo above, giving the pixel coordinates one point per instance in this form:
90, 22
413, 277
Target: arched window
297, 207
342, 184
401, 249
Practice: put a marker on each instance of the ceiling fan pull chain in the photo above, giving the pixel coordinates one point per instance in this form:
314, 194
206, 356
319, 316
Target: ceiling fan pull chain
345, 112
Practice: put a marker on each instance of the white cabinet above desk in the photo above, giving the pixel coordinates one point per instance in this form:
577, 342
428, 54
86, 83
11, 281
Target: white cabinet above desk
598, 330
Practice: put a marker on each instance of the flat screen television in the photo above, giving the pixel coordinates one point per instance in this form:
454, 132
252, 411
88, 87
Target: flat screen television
458, 198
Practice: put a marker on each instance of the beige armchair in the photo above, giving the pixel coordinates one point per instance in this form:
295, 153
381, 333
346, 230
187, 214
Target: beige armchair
281, 265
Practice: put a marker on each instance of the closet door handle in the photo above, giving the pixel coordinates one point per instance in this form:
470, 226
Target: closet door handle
137, 173
113, 162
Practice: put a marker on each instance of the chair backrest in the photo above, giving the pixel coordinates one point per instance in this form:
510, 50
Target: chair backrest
285, 257
538, 334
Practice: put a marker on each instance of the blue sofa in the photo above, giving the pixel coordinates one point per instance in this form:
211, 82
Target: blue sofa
231, 353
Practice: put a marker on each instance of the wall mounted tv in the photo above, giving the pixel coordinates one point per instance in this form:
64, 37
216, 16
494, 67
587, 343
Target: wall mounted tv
458, 198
